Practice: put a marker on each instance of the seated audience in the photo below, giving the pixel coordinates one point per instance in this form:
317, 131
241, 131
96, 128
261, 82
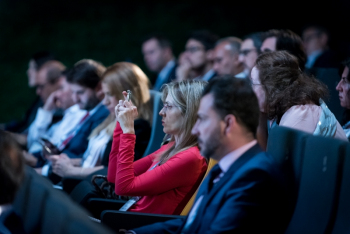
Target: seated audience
198, 57
55, 133
118, 77
226, 57
250, 50
85, 83
35, 64
164, 181
291, 98
316, 44
245, 192
158, 55
285, 39
343, 88
11, 177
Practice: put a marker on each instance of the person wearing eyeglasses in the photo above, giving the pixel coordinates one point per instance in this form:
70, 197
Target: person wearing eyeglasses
291, 98
165, 180
198, 57
226, 57
316, 44
250, 50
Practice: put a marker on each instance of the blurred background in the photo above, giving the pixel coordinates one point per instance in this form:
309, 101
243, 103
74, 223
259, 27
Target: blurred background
111, 31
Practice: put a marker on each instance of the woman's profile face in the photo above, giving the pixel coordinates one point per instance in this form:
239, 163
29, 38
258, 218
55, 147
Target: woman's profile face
258, 88
172, 120
343, 88
110, 101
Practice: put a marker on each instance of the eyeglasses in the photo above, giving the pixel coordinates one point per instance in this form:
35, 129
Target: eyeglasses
167, 107
193, 49
246, 51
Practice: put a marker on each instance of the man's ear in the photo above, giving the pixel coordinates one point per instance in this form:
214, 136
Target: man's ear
230, 123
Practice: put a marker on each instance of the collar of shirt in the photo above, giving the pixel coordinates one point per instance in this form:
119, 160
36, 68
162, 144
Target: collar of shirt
311, 59
231, 157
165, 71
74, 109
208, 75
241, 75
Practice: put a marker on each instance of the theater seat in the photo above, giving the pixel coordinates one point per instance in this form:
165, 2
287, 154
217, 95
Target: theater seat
342, 218
44, 209
157, 133
319, 186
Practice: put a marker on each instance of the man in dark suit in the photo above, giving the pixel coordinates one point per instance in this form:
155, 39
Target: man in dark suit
245, 192
158, 55
85, 83
316, 43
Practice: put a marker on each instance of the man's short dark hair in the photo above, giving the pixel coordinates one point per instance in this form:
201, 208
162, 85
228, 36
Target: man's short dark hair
41, 57
87, 73
163, 41
291, 42
11, 167
235, 96
207, 38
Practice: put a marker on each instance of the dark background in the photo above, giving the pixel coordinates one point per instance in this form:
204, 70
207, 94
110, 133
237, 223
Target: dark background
110, 31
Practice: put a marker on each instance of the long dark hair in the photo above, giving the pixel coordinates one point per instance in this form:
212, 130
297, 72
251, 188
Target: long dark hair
285, 84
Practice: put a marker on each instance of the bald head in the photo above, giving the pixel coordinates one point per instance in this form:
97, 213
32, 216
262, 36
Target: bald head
47, 78
226, 56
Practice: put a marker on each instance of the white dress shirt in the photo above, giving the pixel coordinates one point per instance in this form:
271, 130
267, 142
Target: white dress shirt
57, 132
97, 145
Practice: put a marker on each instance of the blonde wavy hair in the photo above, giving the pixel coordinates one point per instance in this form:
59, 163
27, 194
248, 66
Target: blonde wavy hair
124, 76
186, 95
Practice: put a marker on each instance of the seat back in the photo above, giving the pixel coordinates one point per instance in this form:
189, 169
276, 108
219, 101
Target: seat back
342, 224
189, 204
286, 145
319, 185
44, 209
157, 133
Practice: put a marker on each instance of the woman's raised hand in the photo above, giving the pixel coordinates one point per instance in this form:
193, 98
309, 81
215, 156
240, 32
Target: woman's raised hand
126, 113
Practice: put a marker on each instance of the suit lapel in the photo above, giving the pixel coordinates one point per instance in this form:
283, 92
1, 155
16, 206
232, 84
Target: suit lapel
244, 158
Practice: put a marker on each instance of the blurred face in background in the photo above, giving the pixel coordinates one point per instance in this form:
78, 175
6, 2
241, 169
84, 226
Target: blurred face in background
313, 40
85, 97
269, 44
155, 56
110, 101
248, 55
224, 59
43, 87
343, 88
195, 54
64, 94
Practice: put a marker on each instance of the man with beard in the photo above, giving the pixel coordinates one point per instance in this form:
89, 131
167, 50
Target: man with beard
245, 192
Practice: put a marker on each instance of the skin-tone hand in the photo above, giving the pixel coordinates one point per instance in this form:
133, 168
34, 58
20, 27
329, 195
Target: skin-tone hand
61, 164
126, 113
29, 158
183, 71
51, 102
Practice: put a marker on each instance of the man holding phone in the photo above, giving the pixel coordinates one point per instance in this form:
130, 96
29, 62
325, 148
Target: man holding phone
84, 80
44, 134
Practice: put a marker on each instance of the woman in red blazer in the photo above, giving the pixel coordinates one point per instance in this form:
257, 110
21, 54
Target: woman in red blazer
165, 180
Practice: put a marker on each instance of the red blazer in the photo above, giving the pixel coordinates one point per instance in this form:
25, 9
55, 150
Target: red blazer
167, 188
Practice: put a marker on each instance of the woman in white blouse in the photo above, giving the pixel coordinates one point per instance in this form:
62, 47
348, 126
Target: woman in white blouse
117, 78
